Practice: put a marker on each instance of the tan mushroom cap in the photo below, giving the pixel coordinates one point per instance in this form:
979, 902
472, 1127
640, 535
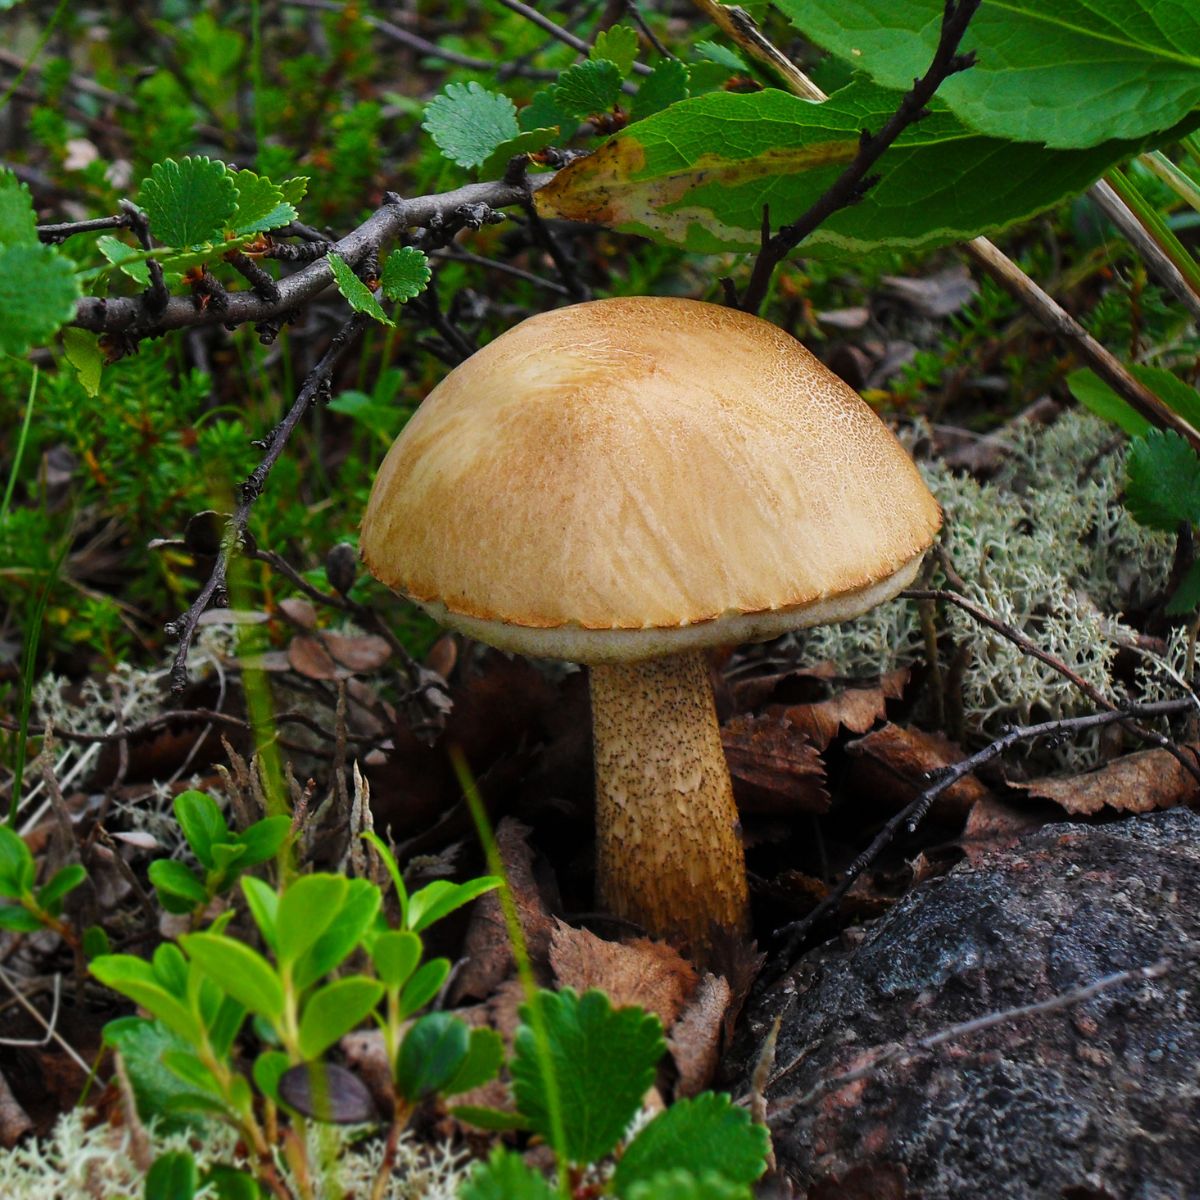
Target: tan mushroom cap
641, 476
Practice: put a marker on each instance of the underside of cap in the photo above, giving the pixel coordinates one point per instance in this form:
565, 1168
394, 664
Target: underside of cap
629, 477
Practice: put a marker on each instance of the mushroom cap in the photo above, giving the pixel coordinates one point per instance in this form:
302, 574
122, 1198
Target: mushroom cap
640, 476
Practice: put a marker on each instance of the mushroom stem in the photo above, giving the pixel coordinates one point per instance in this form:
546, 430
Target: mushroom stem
668, 853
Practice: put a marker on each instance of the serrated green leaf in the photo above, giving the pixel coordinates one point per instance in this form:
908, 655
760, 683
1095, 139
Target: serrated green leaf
699, 173
334, 1010
357, 294
528, 142
38, 290
603, 1061
18, 221
723, 56
681, 1184
241, 972
82, 350
542, 113
587, 88
1162, 487
294, 189
432, 1053
189, 201
1068, 74
505, 1176
201, 822
708, 1133
179, 891
16, 864
467, 122
142, 1044
667, 84
172, 1176
485, 1054
1186, 598
405, 274
619, 45
261, 205
440, 898
50, 894
116, 251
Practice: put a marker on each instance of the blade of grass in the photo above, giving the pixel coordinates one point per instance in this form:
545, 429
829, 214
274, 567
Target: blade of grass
1171, 247
1184, 186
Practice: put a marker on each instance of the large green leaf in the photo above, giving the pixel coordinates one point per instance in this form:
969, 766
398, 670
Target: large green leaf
1069, 73
700, 172
38, 290
241, 972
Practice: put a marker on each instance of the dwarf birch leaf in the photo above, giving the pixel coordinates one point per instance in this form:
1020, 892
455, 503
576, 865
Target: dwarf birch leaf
261, 205
294, 189
83, 353
1162, 487
713, 52
667, 84
190, 201
18, 222
356, 293
588, 87
528, 142
467, 122
116, 251
505, 1176
699, 173
406, 274
619, 45
1070, 74
38, 290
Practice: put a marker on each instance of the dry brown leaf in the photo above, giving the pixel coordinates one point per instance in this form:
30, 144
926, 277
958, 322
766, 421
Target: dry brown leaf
362, 652
695, 1039
1140, 782
855, 709
486, 947
775, 769
309, 657
642, 972
299, 612
994, 825
894, 764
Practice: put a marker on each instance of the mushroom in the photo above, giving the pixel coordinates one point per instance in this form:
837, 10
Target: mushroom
624, 483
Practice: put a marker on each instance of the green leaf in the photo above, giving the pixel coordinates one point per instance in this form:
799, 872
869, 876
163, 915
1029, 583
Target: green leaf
389, 861
38, 290
134, 978
431, 1055
485, 1054
95, 942
18, 919
542, 113
708, 1133
179, 891
334, 1010
505, 1176
241, 972
262, 840
395, 954
587, 88
172, 1176
357, 294
1177, 395
228, 1183
680, 1184
189, 201
50, 895
1069, 74
354, 917
202, 824
1094, 394
267, 1071
308, 907
263, 902
467, 122
82, 350
142, 1044
294, 189
528, 142
619, 45
261, 205
424, 985
405, 274
1162, 486
116, 251
16, 864
714, 52
18, 221
699, 173
440, 898
1186, 598
667, 84
603, 1061
494, 1119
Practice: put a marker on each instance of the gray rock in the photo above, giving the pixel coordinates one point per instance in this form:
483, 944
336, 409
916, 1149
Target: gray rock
1096, 1101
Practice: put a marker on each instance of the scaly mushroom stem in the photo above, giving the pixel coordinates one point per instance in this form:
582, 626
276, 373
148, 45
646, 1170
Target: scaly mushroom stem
668, 853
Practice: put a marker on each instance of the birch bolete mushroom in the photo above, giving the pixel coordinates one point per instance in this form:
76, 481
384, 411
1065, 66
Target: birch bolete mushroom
624, 483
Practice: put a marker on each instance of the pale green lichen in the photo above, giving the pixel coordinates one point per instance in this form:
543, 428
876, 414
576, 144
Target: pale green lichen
1047, 548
